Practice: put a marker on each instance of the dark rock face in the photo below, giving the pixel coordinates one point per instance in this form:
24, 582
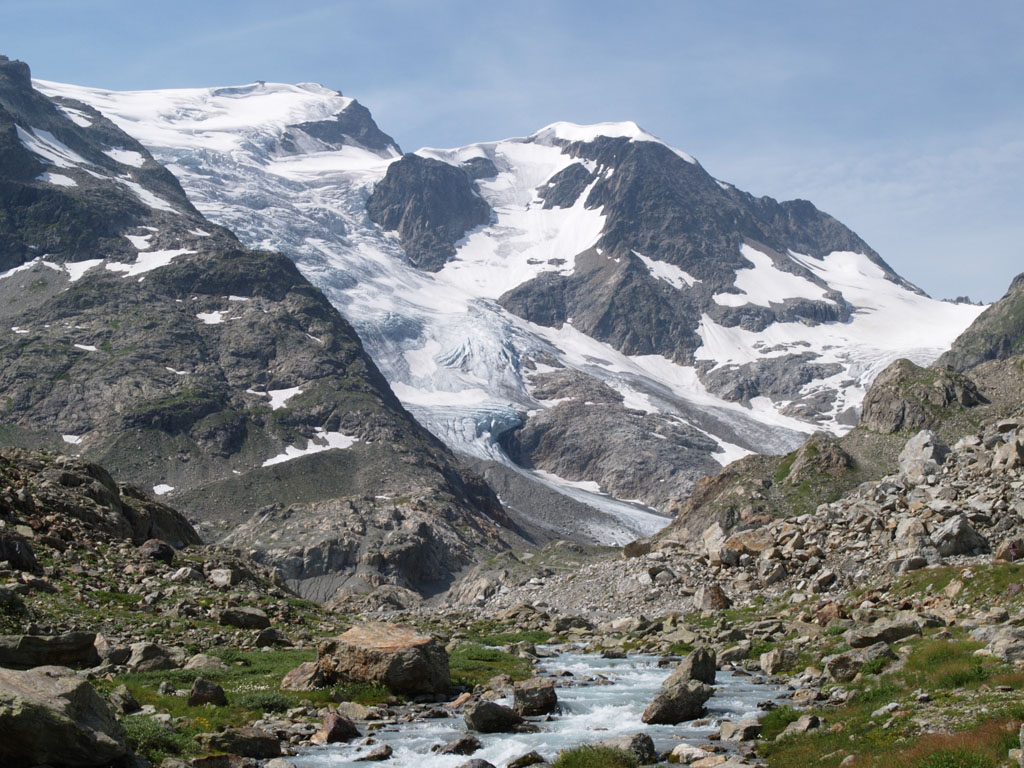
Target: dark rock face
50, 716
158, 550
997, 333
430, 204
906, 396
205, 692
582, 438
354, 124
244, 618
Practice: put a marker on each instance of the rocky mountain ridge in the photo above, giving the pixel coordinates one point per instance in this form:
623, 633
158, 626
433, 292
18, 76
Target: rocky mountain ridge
141, 335
734, 324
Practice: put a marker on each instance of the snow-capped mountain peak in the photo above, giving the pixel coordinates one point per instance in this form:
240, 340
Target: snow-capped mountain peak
600, 317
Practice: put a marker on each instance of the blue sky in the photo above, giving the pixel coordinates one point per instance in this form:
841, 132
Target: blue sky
905, 119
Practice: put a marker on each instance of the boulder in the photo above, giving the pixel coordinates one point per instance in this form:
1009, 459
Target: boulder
1009, 455
205, 692
205, 661
533, 757
335, 728
957, 537
186, 574
247, 742
684, 701
464, 745
534, 697
74, 649
745, 730
1010, 550
15, 549
476, 762
883, 631
244, 618
640, 744
305, 677
150, 657
272, 636
843, 667
776, 660
1008, 644
922, 455
157, 549
802, 724
223, 578
397, 656
700, 664
375, 755
51, 716
711, 598
122, 701
488, 717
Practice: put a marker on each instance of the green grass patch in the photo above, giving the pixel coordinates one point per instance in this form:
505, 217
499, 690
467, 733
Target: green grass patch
595, 757
775, 722
472, 664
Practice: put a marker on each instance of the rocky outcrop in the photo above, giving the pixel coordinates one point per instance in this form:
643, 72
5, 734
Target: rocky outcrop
430, 204
400, 658
49, 715
997, 333
905, 396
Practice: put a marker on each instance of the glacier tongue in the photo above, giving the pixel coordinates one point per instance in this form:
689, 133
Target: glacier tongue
460, 362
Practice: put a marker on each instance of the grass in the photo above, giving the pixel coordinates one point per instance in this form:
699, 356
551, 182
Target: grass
776, 720
595, 757
472, 664
251, 684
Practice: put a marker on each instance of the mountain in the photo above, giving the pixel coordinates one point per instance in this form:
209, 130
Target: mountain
997, 333
140, 335
583, 310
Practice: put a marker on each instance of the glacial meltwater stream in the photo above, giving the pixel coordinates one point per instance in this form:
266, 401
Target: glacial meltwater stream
589, 712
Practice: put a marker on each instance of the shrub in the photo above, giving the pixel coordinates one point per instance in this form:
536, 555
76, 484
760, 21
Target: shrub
263, 701
154, 742
595, 757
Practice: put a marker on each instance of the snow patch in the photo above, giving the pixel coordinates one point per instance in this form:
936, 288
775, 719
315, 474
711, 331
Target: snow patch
126, 157
85, 347
328, 441
573, 132
147, 262
669, 273
76, 116
148, 198
141, 242
77, 269
584, 485
278, 397
49, 148
162, 489
212, 318
57, 179
72, 439
765, 284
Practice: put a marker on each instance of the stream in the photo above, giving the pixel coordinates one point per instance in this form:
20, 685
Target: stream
587, 713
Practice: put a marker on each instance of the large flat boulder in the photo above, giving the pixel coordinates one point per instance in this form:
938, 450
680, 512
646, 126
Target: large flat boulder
74, 649
700, 665
397, 656
535, 696
51, 716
